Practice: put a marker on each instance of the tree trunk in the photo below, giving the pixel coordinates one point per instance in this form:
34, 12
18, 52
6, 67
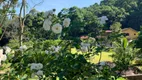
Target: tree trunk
21, 35
100, 57
22, 21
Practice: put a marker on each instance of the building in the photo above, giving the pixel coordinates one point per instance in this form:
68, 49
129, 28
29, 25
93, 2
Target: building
130, 33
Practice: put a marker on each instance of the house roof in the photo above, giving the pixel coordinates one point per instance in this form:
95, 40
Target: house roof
129, 28
108, 31
84, 37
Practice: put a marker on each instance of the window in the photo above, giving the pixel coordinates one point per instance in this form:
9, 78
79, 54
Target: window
126, 34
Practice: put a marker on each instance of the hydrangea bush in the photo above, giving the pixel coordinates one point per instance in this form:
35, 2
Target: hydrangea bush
49, 61
53, 59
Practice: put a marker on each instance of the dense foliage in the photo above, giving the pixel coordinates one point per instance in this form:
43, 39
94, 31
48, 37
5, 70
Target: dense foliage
47, 39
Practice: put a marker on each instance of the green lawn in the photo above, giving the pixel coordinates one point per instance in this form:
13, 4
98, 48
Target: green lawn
95, 59
105, 57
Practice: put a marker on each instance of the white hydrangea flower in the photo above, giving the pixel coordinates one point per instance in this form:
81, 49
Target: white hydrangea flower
57, 48
46, 52
101, 67
36, 66
66, 22
52, 47
84, 48
24, 47
48, 13
46, 25
40, 66
3, 57
1, 51
39, 73
57, 28
0, 61
85, 44
33, 75
102, 63
50, 17
103, 19
33, 66
7, 49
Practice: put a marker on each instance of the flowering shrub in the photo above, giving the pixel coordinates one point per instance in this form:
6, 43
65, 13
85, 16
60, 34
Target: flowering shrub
46, 25
52, 59
57, 28
66, 22
3, 57
49, 61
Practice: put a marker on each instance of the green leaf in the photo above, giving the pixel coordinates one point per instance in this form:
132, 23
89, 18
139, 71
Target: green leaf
124, 43
0, 31
120, 78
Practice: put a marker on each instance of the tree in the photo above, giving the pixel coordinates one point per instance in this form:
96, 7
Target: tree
7, 7
113, 13
138, 44
108, 2
116, 27
77, 22
128, 5
33, 12
21, 21
83, 21
134, 20
92, 24
139, 40
34, 26
132, 9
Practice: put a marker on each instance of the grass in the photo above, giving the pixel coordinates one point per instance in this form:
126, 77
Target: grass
95, 59
105, 57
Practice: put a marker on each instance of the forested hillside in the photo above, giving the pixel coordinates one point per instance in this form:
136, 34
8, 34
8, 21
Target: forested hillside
127, 12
